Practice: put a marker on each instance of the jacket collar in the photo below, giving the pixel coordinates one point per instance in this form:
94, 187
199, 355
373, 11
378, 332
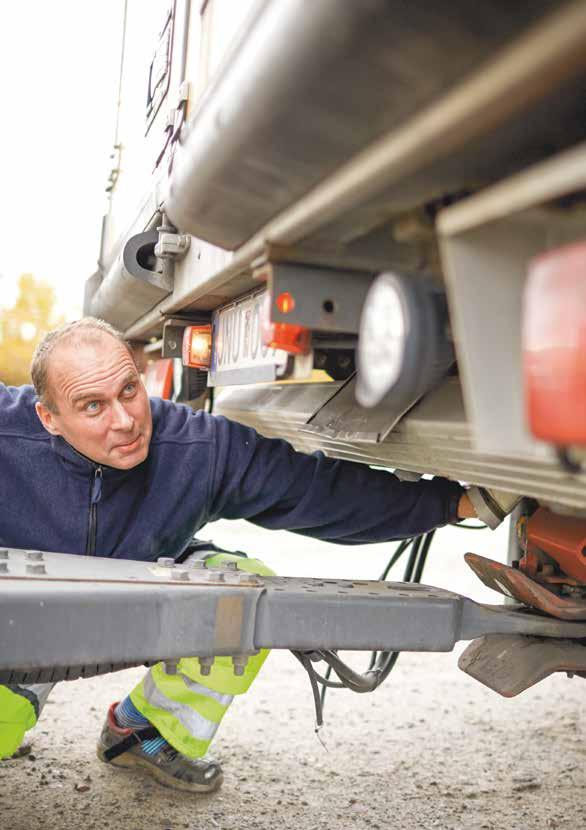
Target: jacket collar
81, 465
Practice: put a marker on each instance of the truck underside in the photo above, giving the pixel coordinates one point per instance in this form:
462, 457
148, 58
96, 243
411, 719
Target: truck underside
338, 141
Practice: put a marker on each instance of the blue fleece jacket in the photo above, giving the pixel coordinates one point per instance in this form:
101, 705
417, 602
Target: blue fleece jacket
200, 468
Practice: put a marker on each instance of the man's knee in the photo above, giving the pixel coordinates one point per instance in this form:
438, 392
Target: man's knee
244, 563
222, 676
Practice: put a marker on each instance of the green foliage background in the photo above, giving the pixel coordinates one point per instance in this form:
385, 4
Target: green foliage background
23, 325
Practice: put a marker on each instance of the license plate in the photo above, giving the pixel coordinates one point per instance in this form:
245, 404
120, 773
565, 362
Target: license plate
238, 354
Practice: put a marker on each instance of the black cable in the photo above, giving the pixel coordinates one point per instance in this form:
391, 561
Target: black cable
381, 663
307, 665
385, 661
395, 557
412, 561
392, 657
428, 539
416, 542
331, 684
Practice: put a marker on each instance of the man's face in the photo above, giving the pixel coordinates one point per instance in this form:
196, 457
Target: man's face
102, 406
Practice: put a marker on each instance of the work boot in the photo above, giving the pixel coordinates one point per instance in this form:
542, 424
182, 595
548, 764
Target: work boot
123, 748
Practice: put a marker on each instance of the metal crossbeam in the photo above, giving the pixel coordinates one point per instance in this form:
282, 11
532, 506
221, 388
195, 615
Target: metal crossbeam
91, 615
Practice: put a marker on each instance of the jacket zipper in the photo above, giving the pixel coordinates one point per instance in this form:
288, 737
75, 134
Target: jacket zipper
96, 495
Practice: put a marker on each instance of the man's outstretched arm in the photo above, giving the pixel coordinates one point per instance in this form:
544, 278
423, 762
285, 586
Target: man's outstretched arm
269, 483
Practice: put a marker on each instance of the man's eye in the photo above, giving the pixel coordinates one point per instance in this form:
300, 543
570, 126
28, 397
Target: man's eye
129, 388
92, 407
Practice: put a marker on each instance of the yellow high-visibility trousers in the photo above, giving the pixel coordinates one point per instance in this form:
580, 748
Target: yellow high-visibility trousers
19, 710
186, 706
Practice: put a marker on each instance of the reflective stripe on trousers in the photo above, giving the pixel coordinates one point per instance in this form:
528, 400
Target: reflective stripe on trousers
187, 707
187, 714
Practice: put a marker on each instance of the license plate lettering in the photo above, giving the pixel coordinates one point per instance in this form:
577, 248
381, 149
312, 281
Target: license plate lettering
238, 353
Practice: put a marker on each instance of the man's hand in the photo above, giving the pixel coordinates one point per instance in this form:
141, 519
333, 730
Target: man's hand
466, 508
490, 506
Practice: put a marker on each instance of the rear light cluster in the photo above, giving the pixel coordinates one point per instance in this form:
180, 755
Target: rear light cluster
554, 345
197, 340
197, 346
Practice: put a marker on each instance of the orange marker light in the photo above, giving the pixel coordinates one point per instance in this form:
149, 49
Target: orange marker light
197, 346
285, 302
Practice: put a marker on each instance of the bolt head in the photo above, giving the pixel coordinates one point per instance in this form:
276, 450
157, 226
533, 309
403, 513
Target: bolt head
232, 566
166, 561
239, 663
34, 555
198, 564
3, 567
3, 553
205, 664
245, 578
36, 569
182, 574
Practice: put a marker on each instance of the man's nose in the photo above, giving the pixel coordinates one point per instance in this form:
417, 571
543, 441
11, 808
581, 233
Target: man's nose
121, 419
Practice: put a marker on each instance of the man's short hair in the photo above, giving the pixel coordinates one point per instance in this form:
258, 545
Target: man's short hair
83, 330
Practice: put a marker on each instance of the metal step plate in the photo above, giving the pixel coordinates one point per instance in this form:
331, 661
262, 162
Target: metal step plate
509, 664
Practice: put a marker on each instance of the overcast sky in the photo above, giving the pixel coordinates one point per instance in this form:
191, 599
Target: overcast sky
59, 77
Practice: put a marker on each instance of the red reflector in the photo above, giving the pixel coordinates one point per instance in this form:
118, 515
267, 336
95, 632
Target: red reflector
286, 336
292, 339
158, 378
554, 345
197, 346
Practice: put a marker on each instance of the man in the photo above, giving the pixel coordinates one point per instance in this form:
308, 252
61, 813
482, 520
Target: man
88, 464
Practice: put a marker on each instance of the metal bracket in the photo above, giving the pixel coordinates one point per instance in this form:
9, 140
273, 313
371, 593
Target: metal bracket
325, 299
173, 332
172, 245
139, 249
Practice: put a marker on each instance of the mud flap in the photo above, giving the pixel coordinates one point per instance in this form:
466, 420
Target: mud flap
509, 664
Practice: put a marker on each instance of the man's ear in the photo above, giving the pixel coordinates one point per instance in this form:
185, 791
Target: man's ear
47, 418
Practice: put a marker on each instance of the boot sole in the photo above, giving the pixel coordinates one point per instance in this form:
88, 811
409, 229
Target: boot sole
130, 761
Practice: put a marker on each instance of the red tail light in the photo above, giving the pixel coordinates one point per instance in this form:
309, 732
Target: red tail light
554, 345
158, 378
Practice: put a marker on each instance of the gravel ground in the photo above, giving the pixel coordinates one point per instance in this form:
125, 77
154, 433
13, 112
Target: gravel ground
431, 748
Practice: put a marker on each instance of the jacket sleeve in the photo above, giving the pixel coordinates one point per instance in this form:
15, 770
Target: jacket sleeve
268, 482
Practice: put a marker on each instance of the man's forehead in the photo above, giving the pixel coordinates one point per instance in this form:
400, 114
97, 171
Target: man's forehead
85, 357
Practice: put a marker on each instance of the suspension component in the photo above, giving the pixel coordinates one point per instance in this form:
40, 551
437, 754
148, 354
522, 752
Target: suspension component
555, 548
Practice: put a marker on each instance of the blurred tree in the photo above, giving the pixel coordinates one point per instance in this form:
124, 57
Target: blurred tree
23, 325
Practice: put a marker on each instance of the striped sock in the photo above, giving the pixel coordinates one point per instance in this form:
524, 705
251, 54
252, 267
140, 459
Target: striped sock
128, 716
